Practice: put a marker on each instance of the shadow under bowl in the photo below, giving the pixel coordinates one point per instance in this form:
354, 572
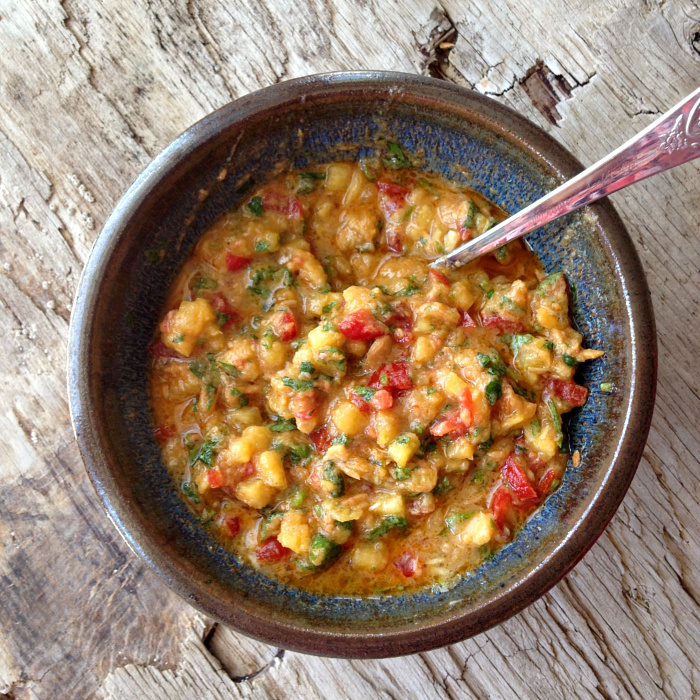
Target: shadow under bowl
448, 131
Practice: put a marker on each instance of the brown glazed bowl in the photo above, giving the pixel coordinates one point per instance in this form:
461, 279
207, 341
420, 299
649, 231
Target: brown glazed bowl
446, 130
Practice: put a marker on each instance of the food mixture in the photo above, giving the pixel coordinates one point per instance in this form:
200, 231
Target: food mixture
340, 415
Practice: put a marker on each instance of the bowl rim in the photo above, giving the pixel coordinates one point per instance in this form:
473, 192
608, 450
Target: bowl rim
525, 589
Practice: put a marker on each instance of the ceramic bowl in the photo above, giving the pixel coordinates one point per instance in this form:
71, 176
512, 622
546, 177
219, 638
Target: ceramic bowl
449, 131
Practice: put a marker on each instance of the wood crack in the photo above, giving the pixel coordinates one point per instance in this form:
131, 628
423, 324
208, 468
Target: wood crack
434, 52
208, 642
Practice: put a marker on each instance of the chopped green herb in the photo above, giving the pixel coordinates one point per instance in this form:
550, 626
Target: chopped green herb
323, 551
334, 477
536, 427
518, 341
255, 206
407, 291
329, 307
402, 473
478, 477
501, 254
365, 392
222, 319
297, 499
342, 439
557, 421
306, 368
484, 447
328, 327
470, 221
298, 384
299, 453
527, 394
189, 488
283, 426
369, 170
443, 487
396, 160
493, 363
568, 360
403, 439
262, 246
231, 370
606, 387
383, 379
455, 519
489, 294
204, 283
389, 523
178, 338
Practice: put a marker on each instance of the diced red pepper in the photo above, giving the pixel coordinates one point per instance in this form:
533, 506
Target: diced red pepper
546, 481
233, 525
221, 305
320, 438
407, 563
466, 233
289, 206
359, 402
160, 349
439, 277
466, 320
164, 432
215, 478
501, 501
392, 190
504, 325
450, 423
236, 262
395, 375
570, 392
515, 477
394, 240
382, 400
284, 326
361, 325
271, 550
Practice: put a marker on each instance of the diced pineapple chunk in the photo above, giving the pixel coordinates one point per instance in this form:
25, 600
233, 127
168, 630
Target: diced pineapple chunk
254, 492
387, 427
544, 442
389, 504
345, 509
324, 336
402, 448
273, 357
254, 439
477, 530
513, 410
183, 327
348, 418
295, 533
369, 557
461, 295
338, 177
461, 448
271, 469
453, 384
424, 350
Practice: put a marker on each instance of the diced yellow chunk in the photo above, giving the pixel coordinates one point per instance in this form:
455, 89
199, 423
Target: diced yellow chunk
254, 492
338, 177
271, 469
461, 295
239, 450
259, 436
389, 504
369, 557
295, 533
387, 427
477, 530
319, 338
348, 418
182, 328
403, 448
461, 448
453, 384
424, 350
345, 509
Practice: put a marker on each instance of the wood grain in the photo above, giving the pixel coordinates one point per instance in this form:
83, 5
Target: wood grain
90, 93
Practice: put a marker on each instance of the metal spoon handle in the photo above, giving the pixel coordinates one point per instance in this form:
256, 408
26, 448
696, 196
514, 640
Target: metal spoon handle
671, 140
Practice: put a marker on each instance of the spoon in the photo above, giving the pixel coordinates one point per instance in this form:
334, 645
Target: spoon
671, 140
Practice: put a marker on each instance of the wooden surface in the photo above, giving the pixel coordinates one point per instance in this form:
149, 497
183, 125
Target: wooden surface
89, 94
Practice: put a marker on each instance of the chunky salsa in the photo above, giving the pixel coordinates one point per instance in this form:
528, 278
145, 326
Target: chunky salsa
344, 417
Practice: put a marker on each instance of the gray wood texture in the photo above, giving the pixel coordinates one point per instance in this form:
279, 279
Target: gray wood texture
89, 94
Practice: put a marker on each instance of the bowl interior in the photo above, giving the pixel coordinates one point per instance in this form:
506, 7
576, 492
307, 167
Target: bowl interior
446, 131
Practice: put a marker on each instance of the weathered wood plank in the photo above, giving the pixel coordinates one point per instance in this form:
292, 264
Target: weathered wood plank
89, 94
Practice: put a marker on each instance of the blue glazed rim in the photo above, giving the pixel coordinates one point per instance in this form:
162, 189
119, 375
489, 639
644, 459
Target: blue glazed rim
451, 131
